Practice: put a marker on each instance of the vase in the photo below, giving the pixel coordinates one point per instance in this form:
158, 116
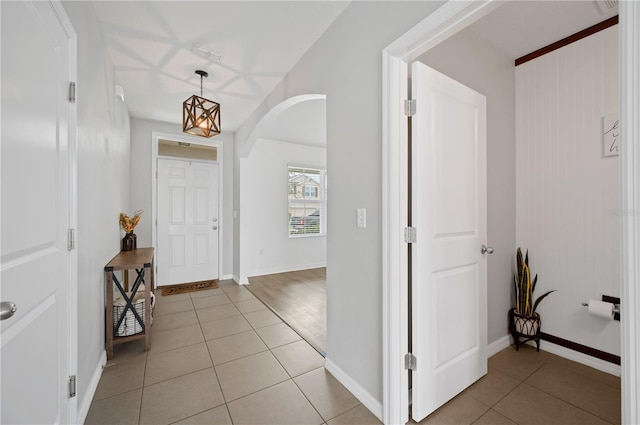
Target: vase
527, 327
129, 242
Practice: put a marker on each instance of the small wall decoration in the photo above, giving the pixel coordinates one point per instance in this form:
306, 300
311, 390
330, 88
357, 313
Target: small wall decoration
611, 135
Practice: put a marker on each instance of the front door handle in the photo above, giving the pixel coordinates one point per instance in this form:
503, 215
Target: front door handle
486, 249
7, 309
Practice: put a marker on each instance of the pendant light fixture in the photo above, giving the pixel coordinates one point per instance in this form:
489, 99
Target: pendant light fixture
200, 116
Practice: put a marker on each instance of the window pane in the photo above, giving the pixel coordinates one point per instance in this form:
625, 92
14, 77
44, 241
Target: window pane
304, 218
304, 184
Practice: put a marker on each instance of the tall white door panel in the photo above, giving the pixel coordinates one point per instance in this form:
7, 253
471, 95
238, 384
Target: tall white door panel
35, 262
188, 221
449, 280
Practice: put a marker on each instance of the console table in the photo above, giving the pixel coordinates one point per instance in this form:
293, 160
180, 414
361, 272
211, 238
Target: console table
140, 260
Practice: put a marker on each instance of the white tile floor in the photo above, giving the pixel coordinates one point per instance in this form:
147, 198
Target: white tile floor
221, 357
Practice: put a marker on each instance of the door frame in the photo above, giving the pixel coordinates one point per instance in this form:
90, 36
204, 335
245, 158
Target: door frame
218, 144
446, 21
72, 129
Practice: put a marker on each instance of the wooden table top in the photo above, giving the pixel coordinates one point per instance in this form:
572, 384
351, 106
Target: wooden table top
125, 260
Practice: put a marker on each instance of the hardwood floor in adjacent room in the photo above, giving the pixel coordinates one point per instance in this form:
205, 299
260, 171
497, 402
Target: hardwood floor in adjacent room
300, 299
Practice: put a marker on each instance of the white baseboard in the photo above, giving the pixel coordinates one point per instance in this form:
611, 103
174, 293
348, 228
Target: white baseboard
285, 269
91, 390
240, 281
356, 389
498, 345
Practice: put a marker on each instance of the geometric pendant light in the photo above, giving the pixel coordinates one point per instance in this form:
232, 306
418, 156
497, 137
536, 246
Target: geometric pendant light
200, 116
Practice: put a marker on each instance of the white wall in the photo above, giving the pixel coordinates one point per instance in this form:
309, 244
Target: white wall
567, 202
141, 138
103, 187
484, 68
266, 243
345, 64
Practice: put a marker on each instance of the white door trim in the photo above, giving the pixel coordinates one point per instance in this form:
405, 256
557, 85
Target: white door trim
72, 130
155, 138
437, 27
630, 232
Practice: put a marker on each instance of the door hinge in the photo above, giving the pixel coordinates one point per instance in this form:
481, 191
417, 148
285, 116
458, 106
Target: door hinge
71, 239
410, 107
410, 235
409, 361
72, 386
72, 92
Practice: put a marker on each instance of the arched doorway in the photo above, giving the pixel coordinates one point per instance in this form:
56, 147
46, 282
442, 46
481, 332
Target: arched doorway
282, 177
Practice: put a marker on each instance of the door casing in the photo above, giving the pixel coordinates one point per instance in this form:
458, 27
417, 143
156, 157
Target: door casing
437, 27
218, 144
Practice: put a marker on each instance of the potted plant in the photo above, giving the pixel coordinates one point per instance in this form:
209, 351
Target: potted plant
523, 319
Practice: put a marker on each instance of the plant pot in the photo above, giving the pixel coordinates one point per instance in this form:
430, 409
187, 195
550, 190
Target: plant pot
129, 242
527, 327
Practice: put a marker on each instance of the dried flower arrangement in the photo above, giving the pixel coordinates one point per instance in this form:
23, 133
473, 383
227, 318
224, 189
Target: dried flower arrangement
128, 224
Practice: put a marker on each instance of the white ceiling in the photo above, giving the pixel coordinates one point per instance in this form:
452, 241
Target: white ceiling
150, 44
521, 27
303, 123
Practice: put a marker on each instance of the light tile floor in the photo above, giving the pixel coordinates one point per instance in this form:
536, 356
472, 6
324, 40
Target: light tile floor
530, 387
221, 357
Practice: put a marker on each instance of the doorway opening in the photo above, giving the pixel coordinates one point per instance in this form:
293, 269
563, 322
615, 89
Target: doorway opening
187, 208
447, 21
283, 223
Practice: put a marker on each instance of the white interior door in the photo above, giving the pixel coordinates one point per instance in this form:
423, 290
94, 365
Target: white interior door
188, 221
449, 295
35, 262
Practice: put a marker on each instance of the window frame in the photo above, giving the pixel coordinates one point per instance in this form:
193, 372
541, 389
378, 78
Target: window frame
321, 202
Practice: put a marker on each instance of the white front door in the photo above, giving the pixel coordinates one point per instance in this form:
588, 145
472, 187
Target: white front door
35, 262
449, 279
188, 221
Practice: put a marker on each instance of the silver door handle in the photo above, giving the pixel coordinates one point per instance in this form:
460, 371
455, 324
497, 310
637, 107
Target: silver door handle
7, 309
215, 227
486, 249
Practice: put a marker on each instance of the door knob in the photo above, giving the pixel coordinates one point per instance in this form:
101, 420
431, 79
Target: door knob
7, 309
215, 227
486, 249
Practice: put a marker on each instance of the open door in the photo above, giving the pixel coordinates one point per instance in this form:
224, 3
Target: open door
449, 266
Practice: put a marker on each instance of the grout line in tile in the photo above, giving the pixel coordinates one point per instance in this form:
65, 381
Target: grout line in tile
144, 376
307, 398
566, 401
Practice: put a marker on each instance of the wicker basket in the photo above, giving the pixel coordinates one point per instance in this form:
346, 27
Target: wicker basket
130, 325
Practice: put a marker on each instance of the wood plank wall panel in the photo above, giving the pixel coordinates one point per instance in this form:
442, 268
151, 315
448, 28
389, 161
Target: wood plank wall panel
567, 193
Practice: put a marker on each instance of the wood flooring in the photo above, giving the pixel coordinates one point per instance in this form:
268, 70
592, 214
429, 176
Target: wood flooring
300, 299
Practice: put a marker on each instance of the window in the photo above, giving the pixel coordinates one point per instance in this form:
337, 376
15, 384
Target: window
307, 189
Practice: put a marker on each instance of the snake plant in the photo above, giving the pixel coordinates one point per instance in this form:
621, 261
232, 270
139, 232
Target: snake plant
524, 287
